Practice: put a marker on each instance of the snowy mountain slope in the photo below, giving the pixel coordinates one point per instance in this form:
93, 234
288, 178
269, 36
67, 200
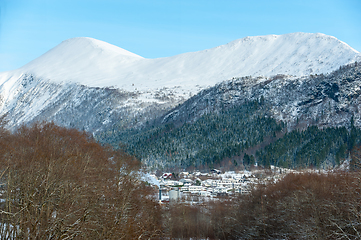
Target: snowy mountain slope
243, 113
292, 54
77, 106
68, 84
81, 60
98, 64
324, 100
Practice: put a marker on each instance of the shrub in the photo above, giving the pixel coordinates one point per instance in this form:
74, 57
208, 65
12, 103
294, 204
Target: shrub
60, 184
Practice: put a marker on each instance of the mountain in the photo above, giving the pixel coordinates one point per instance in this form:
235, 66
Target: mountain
117, 95
95, 63
62, 84
321, 99
291, 122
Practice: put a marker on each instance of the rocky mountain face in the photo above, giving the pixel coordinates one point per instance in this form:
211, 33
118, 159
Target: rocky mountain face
322, 100
92, 109
259, 116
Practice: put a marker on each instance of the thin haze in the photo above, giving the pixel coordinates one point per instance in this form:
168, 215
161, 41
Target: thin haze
162, 28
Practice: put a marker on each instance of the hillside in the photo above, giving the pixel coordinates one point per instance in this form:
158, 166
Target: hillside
293, 122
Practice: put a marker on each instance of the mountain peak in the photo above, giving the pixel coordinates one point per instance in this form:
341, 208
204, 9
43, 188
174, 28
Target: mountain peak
88, 43
96, 63
297, 38
74, 58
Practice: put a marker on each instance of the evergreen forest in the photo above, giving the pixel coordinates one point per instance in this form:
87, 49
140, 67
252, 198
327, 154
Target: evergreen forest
238, 136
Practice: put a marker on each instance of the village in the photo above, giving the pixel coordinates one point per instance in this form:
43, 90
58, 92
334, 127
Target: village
201, 186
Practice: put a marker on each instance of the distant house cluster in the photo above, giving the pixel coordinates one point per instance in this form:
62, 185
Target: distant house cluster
212, 185
183, 185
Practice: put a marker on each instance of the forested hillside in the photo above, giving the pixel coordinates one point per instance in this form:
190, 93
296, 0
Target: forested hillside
239, 137
290, 122
209, 140
312, 147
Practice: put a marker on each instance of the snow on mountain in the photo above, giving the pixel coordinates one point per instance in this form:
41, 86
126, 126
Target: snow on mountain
98, 64
144, 87
325, 100
83, 60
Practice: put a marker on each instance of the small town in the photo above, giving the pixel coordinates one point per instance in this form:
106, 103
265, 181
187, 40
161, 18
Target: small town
199, 186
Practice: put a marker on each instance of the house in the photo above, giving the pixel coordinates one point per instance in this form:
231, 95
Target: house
186, 181
167, 176
204, 193
196, 189
216, 171
170, 183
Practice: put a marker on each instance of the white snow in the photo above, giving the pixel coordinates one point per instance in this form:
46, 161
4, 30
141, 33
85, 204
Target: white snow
98, 64
151, 179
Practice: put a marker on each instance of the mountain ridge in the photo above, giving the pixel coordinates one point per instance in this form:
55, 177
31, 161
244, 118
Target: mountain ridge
75, 60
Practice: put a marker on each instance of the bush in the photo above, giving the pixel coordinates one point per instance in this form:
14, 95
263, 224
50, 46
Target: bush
303, 206
60, 184
300, 206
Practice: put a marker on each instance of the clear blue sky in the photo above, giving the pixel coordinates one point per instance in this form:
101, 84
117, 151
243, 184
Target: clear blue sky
161, 28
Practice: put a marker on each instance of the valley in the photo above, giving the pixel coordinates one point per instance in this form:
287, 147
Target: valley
259, 138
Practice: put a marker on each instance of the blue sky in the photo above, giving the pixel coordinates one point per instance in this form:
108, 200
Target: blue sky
162, 28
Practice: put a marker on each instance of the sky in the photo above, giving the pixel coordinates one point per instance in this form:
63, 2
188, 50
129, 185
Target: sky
164, 28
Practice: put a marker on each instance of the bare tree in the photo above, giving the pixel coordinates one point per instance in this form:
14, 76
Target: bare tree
60, 184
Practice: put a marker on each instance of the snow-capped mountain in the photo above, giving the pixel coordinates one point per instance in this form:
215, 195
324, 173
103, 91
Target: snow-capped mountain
98, 64
62, 84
